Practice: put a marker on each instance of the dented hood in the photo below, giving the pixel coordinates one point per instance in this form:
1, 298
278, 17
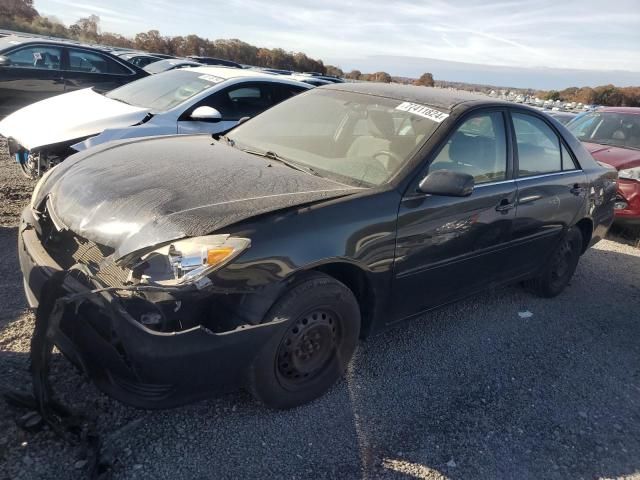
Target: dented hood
67, 117
136, 194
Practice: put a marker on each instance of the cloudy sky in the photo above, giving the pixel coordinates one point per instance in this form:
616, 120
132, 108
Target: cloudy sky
575, 34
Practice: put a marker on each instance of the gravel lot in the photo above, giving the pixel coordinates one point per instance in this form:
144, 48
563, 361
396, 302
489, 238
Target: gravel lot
472, 391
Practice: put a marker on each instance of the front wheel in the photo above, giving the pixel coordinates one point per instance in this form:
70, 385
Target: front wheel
322, 333
558, 272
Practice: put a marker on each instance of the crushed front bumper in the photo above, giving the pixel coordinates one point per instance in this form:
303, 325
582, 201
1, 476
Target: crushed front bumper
130, 362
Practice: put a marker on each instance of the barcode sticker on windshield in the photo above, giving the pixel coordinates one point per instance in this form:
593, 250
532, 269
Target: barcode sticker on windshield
423, 111
211, 78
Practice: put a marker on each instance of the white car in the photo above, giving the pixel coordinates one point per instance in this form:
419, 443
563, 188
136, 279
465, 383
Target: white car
191, 100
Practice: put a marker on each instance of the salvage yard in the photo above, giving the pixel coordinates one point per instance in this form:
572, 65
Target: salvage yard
503, 385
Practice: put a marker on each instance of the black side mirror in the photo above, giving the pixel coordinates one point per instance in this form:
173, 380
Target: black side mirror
447, 183
4, 61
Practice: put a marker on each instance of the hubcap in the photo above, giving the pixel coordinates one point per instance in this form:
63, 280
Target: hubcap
307, 347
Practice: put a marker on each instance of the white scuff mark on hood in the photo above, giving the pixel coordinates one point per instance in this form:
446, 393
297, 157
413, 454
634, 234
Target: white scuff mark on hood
525, 314
68, 117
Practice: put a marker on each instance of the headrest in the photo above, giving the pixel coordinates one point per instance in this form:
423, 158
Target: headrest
381, 124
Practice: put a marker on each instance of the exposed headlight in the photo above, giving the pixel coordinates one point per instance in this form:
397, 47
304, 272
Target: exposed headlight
630, 173
189, 260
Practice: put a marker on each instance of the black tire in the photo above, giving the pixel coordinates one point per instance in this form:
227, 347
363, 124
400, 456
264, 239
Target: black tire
561, 266
323, 319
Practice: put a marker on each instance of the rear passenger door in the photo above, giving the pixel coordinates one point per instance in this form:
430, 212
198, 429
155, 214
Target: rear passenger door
86, 68
551, 188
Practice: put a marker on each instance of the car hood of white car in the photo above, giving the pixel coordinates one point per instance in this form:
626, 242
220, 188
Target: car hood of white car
70, 116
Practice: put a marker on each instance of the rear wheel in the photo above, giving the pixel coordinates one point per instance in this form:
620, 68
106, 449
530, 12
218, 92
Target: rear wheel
558, 272
323, 325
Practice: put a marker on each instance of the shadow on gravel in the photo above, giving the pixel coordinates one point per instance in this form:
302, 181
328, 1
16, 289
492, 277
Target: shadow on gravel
12, 300
471, 391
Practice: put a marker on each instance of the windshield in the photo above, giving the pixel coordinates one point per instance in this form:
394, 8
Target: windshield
608, 128
164, 91
358, 139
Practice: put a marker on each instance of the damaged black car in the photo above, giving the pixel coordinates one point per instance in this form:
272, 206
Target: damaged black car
260, 258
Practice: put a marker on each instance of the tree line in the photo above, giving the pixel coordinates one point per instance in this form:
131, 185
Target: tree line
609, 95
21, 15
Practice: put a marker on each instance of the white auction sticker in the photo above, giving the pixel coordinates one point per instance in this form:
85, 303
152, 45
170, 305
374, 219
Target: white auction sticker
211, 78
426, 112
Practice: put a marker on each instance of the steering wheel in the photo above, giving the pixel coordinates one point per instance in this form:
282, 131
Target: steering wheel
396, 160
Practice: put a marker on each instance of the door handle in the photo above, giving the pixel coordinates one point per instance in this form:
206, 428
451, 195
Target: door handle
576, 189
504, 206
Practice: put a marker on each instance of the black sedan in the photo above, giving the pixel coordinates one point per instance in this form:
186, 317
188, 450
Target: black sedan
259, 259
32, 69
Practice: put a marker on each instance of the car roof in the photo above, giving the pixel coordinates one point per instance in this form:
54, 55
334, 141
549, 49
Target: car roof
434, 97
232, 72
14, 40
635, 110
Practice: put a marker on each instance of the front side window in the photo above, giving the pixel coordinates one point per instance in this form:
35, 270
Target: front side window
246, 100
89, 62
354, 138
608, 128
478, 147
38, 57
538, 146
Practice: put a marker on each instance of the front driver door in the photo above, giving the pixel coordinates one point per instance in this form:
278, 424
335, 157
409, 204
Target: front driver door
450, 247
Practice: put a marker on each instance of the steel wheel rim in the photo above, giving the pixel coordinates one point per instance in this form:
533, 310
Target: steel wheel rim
562, 260
308, 347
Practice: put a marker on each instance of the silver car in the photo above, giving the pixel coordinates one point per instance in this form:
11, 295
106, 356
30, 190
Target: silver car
191, 100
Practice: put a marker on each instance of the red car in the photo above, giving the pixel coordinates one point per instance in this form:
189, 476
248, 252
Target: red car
612, 136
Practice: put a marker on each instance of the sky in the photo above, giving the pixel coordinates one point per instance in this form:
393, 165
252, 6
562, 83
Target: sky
600, 36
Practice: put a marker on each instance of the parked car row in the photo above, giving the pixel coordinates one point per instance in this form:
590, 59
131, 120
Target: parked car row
32, 69
258, 258
191, 100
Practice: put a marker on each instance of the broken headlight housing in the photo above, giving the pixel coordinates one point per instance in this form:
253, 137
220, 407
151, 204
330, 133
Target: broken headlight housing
630, 173
188, 261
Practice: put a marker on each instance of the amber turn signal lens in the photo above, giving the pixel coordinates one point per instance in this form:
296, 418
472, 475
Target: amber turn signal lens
217, 255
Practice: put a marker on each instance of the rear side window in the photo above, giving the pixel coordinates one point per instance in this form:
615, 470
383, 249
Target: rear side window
567, 160
478, 147
38, 57
538, 146
90, 62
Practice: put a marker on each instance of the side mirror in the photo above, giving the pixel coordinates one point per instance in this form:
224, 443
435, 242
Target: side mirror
4, 61
447, 183
206, 114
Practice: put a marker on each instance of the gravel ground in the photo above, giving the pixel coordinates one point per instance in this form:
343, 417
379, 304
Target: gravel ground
476, 390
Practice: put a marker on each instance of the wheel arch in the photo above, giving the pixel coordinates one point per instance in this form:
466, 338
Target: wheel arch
356, 279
